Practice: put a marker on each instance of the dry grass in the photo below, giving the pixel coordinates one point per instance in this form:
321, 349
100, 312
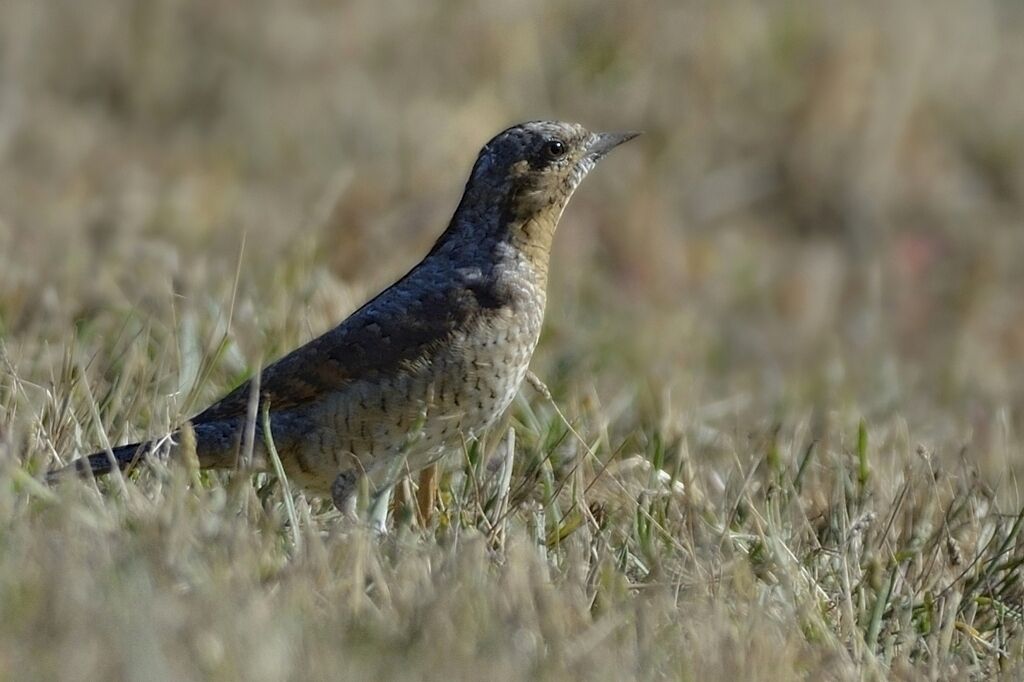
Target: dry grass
786, 329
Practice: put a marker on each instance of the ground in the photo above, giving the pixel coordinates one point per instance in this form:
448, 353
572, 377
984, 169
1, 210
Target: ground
784, 342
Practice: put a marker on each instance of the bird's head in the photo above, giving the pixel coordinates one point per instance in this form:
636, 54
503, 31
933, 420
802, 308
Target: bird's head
535, 167
525, 176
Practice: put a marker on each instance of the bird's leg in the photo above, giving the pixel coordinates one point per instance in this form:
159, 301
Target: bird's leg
425, 493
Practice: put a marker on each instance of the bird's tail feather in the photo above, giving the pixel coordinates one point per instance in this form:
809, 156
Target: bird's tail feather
101, 463
214, 445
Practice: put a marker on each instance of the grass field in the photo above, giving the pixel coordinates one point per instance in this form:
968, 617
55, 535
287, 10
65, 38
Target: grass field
784, 343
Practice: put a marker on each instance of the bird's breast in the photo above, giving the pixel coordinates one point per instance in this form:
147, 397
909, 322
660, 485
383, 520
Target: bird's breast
452, 394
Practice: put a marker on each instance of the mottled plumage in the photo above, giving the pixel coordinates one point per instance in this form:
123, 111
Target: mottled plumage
435, 358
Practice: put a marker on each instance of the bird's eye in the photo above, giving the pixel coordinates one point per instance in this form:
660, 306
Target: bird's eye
555, 149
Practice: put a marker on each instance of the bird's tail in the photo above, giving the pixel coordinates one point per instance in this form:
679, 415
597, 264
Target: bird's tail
101, 463
214, 445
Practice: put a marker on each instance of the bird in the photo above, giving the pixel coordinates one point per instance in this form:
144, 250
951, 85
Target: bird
425, 366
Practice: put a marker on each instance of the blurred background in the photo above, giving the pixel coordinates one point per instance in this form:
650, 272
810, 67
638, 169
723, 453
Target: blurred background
823, 218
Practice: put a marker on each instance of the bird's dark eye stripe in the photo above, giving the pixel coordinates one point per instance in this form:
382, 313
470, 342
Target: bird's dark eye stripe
556, 149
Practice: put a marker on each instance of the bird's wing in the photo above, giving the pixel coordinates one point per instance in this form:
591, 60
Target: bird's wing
394, 332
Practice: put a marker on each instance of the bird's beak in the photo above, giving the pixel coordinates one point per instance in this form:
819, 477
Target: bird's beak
602, 143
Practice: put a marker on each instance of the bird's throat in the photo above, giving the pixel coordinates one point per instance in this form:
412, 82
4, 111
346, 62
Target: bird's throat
533, 237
